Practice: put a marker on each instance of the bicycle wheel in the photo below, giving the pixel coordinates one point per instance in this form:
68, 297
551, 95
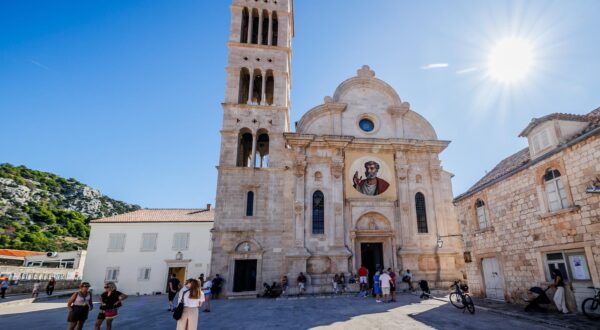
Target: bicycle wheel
590, 308
470, 305
456, 300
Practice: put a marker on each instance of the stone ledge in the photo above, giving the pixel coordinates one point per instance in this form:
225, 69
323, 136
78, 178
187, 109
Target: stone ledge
572, 209
484, 230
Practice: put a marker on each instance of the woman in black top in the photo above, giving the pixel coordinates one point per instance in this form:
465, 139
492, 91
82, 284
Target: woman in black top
111, 300
559, 295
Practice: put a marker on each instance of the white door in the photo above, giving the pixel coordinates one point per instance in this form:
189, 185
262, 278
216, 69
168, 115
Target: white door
494, 282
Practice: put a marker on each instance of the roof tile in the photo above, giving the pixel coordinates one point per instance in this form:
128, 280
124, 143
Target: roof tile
161, 215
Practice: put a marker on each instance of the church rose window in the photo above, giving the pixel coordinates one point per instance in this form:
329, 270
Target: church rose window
318, 209
366, 125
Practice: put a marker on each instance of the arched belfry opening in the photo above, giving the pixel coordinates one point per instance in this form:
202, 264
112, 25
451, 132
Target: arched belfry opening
244, 87
244, 155
257, 88
275, 28
264, 36
255, 24
270, 87
244, 27
262, 149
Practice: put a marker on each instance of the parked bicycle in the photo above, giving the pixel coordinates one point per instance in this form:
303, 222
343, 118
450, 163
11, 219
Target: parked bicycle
460, 297
591, 306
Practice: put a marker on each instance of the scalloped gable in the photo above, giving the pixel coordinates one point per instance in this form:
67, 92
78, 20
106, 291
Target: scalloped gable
365, 96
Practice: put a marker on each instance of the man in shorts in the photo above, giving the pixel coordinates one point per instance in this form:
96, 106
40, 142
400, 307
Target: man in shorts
363, 278
385, 285
172, 291
393, 282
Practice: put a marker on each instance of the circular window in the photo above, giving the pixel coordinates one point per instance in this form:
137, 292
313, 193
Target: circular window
366, 125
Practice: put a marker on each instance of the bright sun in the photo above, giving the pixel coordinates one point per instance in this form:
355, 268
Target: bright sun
510, 60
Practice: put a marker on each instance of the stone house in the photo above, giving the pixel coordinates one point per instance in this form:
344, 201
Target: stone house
359, 181
537, 210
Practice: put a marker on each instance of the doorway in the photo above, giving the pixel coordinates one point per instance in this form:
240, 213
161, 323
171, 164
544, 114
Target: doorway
494, 283
244, 275
179, 274
371, 255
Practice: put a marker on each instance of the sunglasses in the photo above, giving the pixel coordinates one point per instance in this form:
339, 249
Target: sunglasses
107, 287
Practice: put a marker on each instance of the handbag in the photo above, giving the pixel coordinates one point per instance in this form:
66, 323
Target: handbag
179, 309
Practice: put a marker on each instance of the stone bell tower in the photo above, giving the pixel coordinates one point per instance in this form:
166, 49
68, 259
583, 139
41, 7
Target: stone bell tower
252, 192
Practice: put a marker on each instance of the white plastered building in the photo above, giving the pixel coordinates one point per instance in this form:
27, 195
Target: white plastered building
138, 250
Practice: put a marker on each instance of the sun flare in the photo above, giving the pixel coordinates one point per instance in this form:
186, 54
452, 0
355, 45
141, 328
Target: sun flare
510, 60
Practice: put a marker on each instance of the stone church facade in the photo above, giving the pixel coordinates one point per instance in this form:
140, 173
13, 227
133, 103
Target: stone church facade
359, 180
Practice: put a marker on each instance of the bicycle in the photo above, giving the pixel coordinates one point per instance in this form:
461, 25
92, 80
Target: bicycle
591, 306
460, 298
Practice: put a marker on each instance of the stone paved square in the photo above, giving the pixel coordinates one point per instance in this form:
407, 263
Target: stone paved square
149, 312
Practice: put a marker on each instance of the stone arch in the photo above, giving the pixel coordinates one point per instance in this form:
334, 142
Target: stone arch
248, 246
373, 221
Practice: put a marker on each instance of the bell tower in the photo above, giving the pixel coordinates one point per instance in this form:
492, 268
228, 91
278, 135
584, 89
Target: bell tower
251, 186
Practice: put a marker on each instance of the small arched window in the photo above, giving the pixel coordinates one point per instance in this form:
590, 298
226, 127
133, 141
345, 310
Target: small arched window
244, 87
555, 190
481, 214
318, 213
421, 213
250, 204
275, 29
244, 27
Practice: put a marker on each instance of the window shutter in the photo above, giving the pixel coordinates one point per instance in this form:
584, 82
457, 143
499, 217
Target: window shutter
553, 196
562, 193
481, 217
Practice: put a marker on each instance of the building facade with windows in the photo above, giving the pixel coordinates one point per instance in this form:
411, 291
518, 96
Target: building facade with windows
138, 250
359, 180
538, 210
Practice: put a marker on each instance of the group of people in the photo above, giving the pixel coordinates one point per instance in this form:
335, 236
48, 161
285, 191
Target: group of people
81, 303
5, 284
384, 283
211, 288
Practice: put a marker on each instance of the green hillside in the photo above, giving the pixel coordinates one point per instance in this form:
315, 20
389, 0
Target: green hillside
42, 211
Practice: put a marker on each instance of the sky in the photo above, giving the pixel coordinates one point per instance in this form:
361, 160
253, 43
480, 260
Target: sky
125, 96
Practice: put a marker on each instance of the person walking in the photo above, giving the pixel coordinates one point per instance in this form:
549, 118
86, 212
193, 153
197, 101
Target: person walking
36, 289
393, 284
4, 286
284, 284
559, 295
50, 286
110, 301
301, 283
201, 279
217, 284
79, 306
385, 285
192, 299
335, 282
363, 278
376, 287
407, 278
342, 282
173, 287
207, 290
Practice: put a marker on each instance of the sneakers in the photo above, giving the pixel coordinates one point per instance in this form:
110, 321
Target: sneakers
378, 301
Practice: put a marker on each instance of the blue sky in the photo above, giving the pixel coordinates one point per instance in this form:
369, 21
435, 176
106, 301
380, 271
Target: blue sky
125, 95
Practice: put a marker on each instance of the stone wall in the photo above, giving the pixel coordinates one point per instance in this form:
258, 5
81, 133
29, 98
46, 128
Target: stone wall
17, 287
521, 229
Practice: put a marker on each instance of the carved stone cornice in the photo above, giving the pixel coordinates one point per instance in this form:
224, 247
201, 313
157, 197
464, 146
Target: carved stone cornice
398, 110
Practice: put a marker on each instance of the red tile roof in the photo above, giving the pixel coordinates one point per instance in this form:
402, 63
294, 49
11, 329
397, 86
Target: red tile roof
18, 253
522, 159
162, 215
